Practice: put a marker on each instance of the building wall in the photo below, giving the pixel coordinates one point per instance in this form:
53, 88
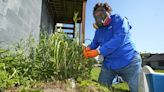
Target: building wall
154, 65
47, 20
19, 19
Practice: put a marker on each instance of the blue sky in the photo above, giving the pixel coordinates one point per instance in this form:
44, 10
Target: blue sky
145, 16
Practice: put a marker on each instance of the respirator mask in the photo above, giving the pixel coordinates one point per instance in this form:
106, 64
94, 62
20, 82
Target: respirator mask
102, 18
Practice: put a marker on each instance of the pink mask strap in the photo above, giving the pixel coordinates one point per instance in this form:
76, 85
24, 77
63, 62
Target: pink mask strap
107, 21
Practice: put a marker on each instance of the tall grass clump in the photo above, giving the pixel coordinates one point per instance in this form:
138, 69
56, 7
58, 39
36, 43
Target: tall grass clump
54, 57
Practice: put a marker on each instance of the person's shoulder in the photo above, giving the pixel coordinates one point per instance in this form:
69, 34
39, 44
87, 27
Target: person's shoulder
97, 30
117, 18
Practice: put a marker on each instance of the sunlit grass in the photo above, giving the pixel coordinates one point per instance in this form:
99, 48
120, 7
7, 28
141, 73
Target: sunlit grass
160, 71
121, 87
95, 73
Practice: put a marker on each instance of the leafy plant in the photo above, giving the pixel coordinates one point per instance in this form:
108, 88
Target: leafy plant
55, 57
90, 86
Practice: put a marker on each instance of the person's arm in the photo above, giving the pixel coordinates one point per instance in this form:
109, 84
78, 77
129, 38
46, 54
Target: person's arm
94, 44
90, 51
120, 29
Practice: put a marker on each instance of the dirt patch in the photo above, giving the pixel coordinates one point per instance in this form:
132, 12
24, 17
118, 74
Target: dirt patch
56, 86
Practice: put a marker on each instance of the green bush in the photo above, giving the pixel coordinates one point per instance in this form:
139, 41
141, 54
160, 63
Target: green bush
54, 57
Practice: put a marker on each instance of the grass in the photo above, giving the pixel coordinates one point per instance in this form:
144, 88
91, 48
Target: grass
121, 87
160, 71
95, 73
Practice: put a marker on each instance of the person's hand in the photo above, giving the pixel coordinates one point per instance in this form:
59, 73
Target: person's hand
91, 53
85, 53
87, 49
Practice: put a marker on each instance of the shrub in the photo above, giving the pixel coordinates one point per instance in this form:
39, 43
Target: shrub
55, 57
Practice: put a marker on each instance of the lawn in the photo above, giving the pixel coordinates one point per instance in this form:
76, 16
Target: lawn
159, 71
121, 87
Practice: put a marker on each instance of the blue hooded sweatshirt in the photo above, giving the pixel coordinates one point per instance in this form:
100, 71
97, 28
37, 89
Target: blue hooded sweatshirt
115, 43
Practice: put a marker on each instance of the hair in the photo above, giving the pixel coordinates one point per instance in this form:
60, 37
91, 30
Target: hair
105, 6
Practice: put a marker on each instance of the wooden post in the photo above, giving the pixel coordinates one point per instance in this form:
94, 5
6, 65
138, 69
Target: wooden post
74, 30
83, 21
80, 31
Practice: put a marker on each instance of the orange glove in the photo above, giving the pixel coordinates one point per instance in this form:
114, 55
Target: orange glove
91, 53
85, 51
